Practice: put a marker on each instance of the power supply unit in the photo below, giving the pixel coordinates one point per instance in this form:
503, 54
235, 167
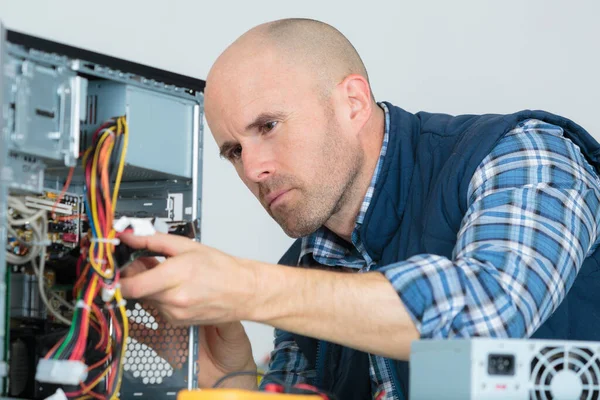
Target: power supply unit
143, 127
507, 369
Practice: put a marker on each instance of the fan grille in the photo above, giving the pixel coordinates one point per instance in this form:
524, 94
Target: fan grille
151, 357
554, 364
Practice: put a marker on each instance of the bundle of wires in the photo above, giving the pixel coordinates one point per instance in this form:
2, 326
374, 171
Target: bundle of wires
35, 221
99, 303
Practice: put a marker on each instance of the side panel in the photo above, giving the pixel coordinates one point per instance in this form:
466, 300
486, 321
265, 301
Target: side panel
3, 208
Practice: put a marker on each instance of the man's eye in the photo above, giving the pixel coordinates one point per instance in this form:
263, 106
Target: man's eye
269, 126
235, 153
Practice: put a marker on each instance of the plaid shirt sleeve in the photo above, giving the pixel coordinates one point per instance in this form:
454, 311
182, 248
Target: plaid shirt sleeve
533, 218
288, 363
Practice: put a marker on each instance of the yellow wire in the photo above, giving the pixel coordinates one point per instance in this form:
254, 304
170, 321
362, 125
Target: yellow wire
121, 163
88, 388
120, 302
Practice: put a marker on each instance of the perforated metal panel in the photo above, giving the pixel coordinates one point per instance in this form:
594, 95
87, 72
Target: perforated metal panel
157, 354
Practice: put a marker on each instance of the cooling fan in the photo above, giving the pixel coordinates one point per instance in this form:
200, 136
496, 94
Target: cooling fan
504, 369
565, 372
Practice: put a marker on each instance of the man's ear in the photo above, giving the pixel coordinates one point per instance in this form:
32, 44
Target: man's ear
356, 93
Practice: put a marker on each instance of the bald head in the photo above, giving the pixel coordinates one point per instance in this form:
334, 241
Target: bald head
318, 47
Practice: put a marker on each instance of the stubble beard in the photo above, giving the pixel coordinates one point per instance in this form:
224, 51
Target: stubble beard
315, 203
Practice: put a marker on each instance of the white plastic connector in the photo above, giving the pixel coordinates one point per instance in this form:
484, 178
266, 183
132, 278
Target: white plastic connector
140, 226
59, 395
65, 372
107, 294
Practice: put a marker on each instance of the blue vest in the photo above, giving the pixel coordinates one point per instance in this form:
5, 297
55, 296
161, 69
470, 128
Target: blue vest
417, 208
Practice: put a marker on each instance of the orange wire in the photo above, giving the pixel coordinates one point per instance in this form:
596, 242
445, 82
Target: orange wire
99, 363
81, 279
70, 217
63, 191
53, 349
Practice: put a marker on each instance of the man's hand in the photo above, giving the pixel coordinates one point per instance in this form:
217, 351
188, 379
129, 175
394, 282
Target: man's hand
224, 348
196, 285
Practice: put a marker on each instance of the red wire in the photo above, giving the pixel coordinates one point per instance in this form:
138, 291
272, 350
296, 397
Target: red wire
103, 126
79, 349
103, 327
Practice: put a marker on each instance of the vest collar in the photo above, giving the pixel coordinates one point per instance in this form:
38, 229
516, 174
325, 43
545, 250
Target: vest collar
385, 213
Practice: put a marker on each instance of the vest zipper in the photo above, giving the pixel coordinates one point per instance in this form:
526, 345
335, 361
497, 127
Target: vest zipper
395, 384
320, 362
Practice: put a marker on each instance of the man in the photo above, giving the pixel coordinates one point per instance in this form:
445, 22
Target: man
411, 226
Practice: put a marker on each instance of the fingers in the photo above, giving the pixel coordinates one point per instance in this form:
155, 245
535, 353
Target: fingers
138, 266
169, 245
151, 282
231, 331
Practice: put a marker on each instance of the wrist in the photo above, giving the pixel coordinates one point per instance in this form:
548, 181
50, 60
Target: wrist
268, 301
248, 382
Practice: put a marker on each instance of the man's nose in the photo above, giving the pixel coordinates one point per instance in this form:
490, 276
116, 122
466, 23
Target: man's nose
258, 163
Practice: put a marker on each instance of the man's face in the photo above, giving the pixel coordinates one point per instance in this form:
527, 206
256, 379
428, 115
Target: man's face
286, 140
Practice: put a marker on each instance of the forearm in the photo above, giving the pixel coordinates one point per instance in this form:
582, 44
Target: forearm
361, 311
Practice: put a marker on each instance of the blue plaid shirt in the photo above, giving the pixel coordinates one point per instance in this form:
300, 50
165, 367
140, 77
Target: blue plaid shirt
534, 190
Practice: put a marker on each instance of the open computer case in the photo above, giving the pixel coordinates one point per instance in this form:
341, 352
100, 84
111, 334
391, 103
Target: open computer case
53, 98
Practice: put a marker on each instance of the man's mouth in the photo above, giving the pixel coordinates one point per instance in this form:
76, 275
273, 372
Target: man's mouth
272, 198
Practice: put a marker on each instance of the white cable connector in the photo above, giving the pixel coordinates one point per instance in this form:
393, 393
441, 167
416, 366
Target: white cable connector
59, 395
140, 226
65, 372
108, 294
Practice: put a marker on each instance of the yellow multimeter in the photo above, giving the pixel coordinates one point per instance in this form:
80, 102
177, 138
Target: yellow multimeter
235, 394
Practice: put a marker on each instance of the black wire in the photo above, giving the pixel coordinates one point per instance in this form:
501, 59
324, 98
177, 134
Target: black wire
289, 389
239, 373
